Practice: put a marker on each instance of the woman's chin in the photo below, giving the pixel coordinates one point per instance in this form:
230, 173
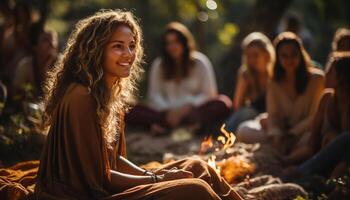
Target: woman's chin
124, 75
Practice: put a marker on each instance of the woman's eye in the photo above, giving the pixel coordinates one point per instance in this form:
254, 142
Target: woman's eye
117, 46
132, 47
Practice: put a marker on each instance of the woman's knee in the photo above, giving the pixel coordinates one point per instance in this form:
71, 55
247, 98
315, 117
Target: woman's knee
198, 188
196, 163
250, 132
243, 132
225, 99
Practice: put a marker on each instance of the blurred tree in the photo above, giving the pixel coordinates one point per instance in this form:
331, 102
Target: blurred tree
218, 26
263, 16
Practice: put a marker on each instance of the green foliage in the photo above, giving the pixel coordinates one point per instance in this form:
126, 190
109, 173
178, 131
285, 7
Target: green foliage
320, 188
229, 31
21, 136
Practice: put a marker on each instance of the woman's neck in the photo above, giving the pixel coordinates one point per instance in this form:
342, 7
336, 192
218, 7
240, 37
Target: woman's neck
178, 62
290, 76
110, 81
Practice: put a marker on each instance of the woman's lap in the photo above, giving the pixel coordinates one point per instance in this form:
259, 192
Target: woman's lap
197, 187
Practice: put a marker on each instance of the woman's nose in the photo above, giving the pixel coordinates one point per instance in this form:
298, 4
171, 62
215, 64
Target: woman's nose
128, 52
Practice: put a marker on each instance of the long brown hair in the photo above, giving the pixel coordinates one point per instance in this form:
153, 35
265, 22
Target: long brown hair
341, 62
186, 39
82, 62
302, 71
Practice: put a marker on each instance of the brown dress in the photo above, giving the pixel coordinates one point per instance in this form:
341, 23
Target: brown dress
75, 163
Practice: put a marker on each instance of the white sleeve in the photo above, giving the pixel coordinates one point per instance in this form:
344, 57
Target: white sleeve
208, 85
24, 73
155, 82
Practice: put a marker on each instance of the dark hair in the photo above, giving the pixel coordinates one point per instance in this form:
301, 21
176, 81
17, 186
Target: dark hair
293, 23
185, 37
302, 73
341, 62
341, 35
22, 9
36, 30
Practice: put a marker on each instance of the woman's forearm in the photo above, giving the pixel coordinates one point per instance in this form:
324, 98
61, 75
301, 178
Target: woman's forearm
125, 166
122, 181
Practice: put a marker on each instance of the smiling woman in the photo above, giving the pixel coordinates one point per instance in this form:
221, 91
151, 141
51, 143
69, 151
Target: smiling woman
119, 55
86, 97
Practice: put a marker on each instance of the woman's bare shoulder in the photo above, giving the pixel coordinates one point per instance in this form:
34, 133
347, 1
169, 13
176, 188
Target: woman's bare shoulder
316, 73
327, 96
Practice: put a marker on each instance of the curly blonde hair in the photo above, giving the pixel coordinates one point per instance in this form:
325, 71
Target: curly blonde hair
82, 62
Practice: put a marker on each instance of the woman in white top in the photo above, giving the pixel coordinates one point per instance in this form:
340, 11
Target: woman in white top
182, 88
31, 69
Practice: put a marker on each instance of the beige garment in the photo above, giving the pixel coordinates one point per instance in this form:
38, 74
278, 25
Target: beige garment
24, 73
206, 185
75, 162
293, 116
286, 116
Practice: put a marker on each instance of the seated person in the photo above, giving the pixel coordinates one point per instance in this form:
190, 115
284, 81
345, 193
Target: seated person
328, 145
341, 43
182, 87
32, 68
257, 62
292, 98
86, 96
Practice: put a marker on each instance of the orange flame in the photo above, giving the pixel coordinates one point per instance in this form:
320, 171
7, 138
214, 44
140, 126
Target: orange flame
206, 144
233, 168
227, 139
212, 163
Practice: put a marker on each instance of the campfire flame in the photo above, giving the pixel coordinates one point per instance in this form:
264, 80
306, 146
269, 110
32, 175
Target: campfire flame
212, 163
229, 138
206, 144
226, 140
232, 168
